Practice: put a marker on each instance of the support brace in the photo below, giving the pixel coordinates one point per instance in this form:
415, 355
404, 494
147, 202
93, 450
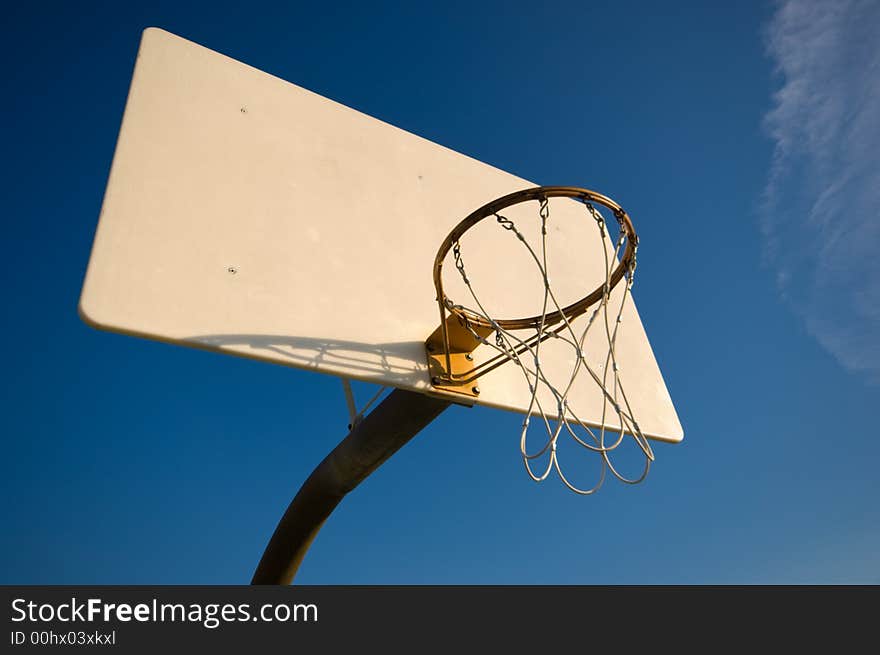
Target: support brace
381, 433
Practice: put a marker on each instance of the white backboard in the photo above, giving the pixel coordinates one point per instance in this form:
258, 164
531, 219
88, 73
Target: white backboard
249, 216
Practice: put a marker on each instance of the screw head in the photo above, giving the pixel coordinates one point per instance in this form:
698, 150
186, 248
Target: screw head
476, 390
435, 380
469, 357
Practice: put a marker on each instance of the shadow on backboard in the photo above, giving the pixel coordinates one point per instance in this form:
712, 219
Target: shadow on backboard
395, 364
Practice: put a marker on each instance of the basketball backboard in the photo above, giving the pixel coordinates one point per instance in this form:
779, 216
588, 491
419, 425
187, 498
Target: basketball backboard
249, 216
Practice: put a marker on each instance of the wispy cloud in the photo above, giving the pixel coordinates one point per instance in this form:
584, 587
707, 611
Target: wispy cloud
821, 212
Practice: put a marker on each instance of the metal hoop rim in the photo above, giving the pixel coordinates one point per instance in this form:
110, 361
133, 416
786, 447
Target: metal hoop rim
540, 193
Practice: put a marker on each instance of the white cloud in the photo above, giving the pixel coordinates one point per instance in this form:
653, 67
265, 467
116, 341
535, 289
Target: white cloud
821, 212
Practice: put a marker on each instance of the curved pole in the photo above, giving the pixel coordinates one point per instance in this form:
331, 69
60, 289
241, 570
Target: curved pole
373, 440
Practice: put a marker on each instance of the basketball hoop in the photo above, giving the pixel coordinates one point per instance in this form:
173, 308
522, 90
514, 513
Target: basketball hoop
463, 328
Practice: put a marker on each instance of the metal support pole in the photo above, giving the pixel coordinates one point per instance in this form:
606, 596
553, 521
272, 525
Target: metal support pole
373, 440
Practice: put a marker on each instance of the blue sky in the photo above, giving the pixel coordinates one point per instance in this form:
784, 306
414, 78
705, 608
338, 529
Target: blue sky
743, 141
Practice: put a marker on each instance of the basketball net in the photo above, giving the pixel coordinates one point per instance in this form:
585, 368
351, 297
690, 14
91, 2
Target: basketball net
523, 348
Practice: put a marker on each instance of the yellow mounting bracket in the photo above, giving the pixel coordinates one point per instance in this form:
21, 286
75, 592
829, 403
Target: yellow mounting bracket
450, 360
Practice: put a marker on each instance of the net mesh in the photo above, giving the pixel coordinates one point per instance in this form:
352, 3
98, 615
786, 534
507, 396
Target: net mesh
549, 408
